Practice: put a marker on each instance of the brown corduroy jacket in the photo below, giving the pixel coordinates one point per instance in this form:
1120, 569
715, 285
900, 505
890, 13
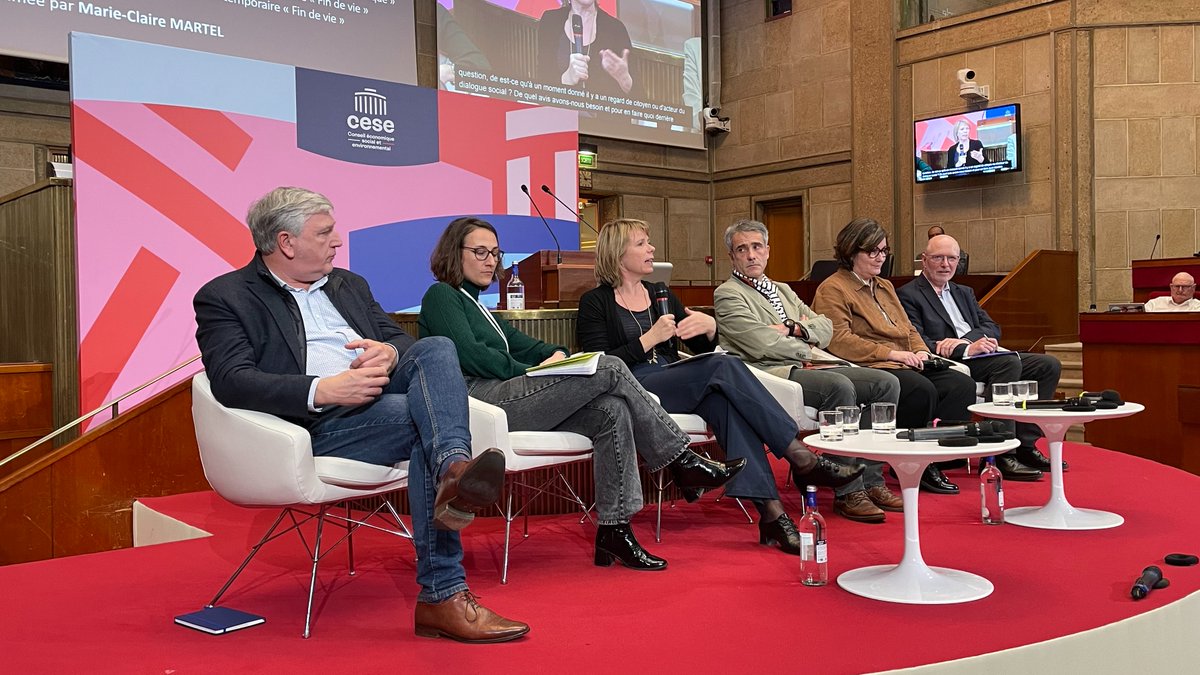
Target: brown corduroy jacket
862, 333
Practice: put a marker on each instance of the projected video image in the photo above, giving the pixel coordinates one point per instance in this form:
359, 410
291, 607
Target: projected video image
966, 144
632, 68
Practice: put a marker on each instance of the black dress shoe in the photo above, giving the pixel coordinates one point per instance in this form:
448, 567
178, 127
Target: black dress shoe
694, 474
933, 480
827, 474
1033, 458
782, 531
1013, 469
616, 542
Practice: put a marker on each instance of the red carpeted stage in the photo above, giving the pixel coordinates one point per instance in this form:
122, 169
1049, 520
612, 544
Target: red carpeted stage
1061, 602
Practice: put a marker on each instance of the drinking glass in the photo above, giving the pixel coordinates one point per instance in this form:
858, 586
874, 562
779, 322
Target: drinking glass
883, 417
850, 418
1031, 391
1002, 393
831, 425
1020, 391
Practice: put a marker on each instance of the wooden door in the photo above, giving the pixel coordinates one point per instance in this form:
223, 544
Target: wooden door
785, 224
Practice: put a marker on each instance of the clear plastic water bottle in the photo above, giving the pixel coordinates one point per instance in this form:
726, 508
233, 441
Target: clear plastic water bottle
814, 552
991, 494
516, 291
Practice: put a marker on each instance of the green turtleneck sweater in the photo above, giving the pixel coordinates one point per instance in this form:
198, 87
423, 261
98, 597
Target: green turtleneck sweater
449, 312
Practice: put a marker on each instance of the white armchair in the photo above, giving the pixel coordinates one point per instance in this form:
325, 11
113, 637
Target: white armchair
258, 460
525, 451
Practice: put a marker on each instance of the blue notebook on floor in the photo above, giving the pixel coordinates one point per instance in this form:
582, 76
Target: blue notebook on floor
218, 620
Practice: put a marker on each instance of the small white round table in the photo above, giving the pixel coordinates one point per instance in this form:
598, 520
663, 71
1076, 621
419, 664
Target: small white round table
912, 581
1057, 514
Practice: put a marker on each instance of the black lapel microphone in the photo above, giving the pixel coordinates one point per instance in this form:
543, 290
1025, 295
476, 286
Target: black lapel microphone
577, 33
525, 189
1155, 247
546, 189
1151, 579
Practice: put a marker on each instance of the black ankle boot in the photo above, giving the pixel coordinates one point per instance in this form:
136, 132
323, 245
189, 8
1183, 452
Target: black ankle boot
693, 474
827, 474
617, 542
781, 531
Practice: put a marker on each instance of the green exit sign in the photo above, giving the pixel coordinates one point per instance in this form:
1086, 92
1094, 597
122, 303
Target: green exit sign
587, 160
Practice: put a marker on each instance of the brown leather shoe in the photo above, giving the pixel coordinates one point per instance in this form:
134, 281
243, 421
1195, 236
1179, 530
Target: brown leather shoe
857, 506
466, 488
461, 617
885, 499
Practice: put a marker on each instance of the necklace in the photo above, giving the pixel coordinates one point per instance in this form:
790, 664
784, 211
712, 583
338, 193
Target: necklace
652, 356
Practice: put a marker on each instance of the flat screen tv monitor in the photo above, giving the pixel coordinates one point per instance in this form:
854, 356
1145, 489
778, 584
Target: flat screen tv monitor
984, 141
631, 68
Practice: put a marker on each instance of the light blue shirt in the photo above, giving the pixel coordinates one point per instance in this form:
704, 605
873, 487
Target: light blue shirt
326, 334
961, 327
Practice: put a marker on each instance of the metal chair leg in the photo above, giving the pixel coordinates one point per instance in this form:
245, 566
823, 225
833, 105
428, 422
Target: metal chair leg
349, 539
508, 518
658, 481
743, 508
253, 551
312, 582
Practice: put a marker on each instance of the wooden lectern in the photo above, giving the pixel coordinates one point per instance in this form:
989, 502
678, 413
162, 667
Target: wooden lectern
1155, 275
550, 284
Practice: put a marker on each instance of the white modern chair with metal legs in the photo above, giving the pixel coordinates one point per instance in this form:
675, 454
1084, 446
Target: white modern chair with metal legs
526, 451
258, 460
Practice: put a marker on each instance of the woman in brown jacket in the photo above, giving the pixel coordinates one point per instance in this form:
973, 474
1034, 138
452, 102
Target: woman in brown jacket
870, 328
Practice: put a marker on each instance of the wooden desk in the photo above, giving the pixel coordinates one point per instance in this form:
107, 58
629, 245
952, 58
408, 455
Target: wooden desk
1155, 275
1152, 359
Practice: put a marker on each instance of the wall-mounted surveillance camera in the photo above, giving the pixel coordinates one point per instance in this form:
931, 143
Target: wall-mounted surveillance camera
970, 90
713, 122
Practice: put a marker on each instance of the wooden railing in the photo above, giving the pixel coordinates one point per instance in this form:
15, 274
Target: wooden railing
1039, 298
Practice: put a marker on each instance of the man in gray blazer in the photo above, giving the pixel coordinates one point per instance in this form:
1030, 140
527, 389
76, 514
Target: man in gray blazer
954, 326
293, 336
767, 326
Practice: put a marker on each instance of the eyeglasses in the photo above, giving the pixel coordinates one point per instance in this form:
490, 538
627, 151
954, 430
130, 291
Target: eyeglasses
877, 252
482, 253
939, 259
1182, 287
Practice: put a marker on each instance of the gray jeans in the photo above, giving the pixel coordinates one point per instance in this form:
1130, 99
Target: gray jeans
610, 408
828, 388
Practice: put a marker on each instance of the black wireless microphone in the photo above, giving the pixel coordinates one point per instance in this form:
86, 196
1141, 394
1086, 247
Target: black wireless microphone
577, 33
525, 189
546, 189
1151, 579
662, 299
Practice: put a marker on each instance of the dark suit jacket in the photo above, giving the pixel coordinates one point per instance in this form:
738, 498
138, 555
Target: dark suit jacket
599, 327
252, 338
931, 320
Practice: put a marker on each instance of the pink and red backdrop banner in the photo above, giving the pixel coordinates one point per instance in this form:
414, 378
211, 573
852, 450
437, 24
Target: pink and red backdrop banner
167, 163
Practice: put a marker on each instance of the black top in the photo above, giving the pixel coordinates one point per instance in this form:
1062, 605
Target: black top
599, 328
554, 52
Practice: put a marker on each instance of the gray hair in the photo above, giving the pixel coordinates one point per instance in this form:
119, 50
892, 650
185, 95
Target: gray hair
283, 209
745, 225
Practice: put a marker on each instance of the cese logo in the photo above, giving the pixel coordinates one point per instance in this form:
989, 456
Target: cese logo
367, 123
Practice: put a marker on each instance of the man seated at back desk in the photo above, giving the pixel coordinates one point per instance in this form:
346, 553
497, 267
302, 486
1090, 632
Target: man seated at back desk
1182, 298
954, 326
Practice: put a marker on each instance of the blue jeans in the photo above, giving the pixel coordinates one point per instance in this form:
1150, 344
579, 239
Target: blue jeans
422, 418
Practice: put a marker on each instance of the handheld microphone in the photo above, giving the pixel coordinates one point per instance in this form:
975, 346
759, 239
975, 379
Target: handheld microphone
577, 33
1106, 395
1151, 579
662, 299
525, 189
1065, 404
546, 189
1153, 248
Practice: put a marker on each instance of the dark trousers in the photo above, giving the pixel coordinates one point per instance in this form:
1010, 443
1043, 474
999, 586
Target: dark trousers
944, 394
742, 413
1043, 368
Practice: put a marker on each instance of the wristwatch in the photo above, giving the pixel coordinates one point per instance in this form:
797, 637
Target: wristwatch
791, 326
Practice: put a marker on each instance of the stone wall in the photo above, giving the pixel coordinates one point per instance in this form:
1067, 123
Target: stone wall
997, 219
1146, 110
29, 118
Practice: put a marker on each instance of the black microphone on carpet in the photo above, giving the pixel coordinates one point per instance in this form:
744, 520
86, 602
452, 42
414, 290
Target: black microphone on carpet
546, 189
525, 189
1151, 579
577, 34
1153, 248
